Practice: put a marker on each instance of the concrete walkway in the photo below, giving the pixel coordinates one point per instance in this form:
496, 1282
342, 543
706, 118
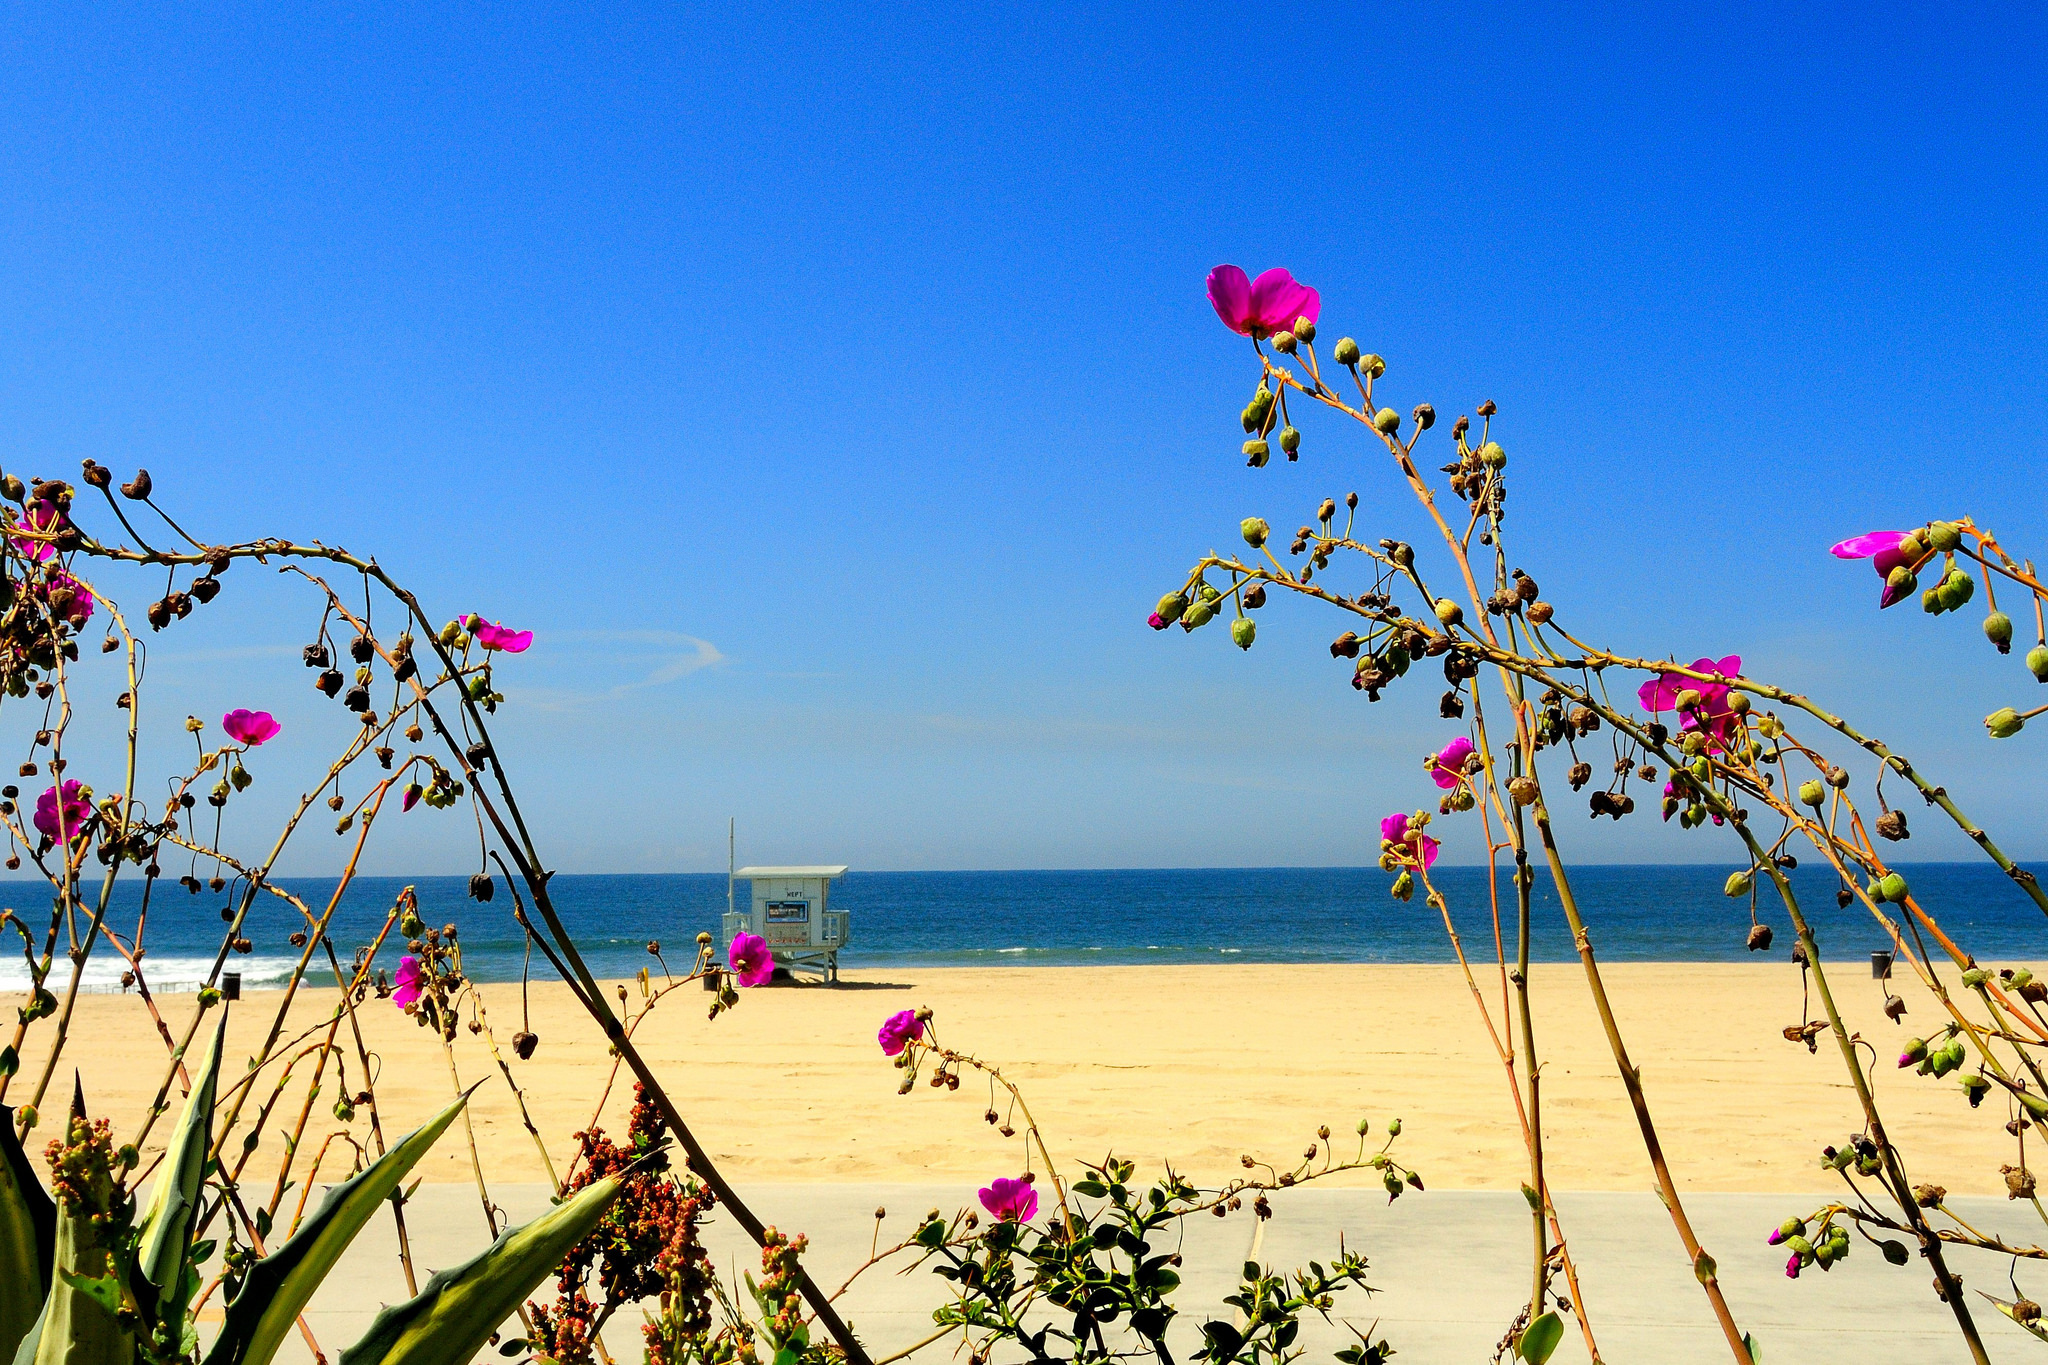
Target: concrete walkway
1450, 1269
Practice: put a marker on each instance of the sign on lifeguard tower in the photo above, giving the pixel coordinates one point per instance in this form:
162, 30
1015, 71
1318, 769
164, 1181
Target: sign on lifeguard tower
789, 910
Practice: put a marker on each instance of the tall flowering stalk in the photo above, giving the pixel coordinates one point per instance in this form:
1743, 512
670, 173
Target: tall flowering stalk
1729, 748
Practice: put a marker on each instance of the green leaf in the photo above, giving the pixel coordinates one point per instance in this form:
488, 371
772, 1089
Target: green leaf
459, 1309
1093, 1189
1540, 1338
166, 1224
1703, 1267
28, 1236
103, 1290
1756, 1351
279, 1286
75, 1326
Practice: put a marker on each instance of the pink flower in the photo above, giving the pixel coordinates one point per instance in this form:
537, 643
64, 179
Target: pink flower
76, 810
68, 598
1448, 767
411, 798
1012, 1201
1792, 1267
1881, 548
1399, 831
411, 980
493, 636
43, 518
249, 727
1157, 622
1660, 694
1261, 307
899, 1031
751, 961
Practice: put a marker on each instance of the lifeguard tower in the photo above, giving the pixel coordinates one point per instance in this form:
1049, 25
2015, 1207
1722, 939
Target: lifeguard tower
789, 909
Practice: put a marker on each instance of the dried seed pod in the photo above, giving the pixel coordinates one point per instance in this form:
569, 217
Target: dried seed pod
524, 1043
1892, 825
139, 487
1759, 937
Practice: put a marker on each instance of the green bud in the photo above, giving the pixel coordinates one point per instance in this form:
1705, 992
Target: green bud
2037, 663
1738, 884
26, 1115
1900, 581
1912, 548
1255, 531
1915, 1050
208, 997
1284, 342
1874, 890
1689, 699
1945, 536
1449, 612
1259, 409
1209, 593
1393, 1184
1799, 1246
1492, 456
11, 488
1998, 630
1386, 421
1198, 615
1974, 977
1304, 329
1957, 588
1242, 631
1404, 886
2021, 976
1171, 606
1792, 1227
1364, 1127
1290, 440
1394, 1129
1893, 888
1346, 352
1257, 453
1373, 366
240, 777
1810, 791
1703, 768
2004, 723
1931, 603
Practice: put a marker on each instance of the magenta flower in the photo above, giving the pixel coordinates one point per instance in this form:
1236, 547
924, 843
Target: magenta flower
1881, 548
1400, 831
1660, 694
1012, 1201
76, 810
493, 636
411, 980
411, 798
1792, 1267
43, 518
1261, 307
1448, 767
249, 727
68, 598
899, 1031
751, 961
1157, 622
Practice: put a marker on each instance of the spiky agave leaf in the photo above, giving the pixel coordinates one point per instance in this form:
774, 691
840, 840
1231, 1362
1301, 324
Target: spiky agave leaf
2008, 1308
28, 1237
456, 1313
77, 1325
278, 1287
166, 1224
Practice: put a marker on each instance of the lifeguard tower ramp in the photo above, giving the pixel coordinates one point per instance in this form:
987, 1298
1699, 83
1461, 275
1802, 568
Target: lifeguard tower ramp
789, 908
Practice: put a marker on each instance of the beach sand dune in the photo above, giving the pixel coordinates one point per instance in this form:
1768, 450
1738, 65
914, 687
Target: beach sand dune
1196, 1065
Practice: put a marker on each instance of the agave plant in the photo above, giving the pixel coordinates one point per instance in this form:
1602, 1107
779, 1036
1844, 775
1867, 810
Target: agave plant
85, 1280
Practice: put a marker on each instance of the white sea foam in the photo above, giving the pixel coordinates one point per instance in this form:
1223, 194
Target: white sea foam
103, 971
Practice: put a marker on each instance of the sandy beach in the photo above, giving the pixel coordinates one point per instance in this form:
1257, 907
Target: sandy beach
1192, 1065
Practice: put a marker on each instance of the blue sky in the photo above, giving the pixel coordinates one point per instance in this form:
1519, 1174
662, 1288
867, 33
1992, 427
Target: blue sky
833, 391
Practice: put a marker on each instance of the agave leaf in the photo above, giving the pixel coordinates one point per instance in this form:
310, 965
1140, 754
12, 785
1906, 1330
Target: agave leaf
75, 1327
458, 1310
28, 1236
167, 1223
2006, 1307
278, 1286
1540, 1338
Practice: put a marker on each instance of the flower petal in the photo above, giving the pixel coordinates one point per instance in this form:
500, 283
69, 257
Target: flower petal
1230, 295
1867, 544
1276, 300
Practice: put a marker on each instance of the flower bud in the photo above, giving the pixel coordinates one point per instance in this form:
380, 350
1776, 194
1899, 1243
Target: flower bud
11, 488
1255, 531
1973, 977
2037, 663
1944, 536
2004, 723
1900, 581
1689, 699
1449, 612
1930, 601
1257, 453
1812, 792
1492, 456
1738, 885
1404, 886
1290, 441
1893, 888
1998, 630
1345, 354
1304, 329
1915, 1052
1957, 588
1283, 342
1242, 632
1975, 1087
1912, 549
1373, 366
1171, 606
1198, 614
1394, 1129
2020, 979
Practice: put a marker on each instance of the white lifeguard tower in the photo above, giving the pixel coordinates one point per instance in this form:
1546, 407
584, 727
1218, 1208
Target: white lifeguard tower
789, 909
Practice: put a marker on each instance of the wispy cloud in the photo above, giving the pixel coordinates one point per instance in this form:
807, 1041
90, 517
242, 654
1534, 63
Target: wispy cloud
667, 656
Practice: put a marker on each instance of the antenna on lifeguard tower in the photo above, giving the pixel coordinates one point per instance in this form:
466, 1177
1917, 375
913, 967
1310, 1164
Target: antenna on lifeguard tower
728, 864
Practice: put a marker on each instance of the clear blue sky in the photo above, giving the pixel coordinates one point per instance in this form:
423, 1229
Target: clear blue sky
832, 388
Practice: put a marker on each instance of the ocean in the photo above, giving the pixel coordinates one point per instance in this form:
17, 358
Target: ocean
1078, 918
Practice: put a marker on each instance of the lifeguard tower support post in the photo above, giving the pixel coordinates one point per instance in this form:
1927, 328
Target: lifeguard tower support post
789, 910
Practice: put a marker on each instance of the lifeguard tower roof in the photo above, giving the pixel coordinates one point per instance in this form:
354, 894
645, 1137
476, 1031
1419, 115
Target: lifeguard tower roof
820, 871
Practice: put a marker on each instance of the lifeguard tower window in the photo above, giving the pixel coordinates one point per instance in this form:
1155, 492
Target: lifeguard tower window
790, 908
